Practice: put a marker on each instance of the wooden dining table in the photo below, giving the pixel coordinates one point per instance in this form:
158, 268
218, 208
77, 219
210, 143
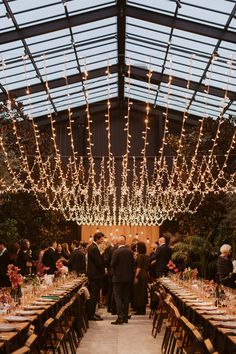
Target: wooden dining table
50, 303
211, 320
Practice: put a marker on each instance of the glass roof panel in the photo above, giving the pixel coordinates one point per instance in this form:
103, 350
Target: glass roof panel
165, 6
82, 6
49, 41
92, 45
212, 14
6, 23
43, 11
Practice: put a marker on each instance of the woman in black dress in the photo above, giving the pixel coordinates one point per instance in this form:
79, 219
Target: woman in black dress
225, 267
140, 293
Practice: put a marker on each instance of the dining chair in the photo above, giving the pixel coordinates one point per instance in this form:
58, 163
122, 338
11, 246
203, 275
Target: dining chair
160, 313
32, 343
22, 350
192, 341
64, 325
51, 340
173, 329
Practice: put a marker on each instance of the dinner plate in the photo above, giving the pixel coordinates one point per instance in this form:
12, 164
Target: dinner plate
228, 324
207, 308
45, 300
26, 312
212, 312
16, 319
41, 303
201, 304
34, 307
6, 327
222, 318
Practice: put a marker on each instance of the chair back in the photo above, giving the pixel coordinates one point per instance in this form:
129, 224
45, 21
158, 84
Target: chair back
22, 350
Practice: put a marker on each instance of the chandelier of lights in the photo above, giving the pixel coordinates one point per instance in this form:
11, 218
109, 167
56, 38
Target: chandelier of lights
148, 194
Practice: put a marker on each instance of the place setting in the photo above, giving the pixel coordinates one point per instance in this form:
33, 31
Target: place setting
16, 318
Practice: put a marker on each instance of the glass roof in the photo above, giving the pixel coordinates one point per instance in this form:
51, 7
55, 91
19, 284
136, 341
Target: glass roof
52, 43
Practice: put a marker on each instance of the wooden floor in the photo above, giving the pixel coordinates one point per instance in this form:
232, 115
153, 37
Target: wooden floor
133, 338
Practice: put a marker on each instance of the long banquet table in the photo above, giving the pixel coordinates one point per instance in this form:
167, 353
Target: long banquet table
215, 323
35, 312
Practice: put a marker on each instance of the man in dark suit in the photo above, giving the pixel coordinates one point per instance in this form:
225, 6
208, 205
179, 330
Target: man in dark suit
162, 256
4, 261
122, 264
76, 262
107, 256
50, 257
95, 272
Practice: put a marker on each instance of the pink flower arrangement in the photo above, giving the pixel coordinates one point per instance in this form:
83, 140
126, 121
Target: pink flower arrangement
15, 277
40, 268
171, 266
5, 298
59, 265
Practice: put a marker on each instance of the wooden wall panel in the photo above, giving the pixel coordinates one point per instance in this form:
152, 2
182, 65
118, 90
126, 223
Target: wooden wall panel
148, 234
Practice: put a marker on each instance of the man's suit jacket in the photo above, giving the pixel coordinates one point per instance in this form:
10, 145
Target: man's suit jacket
107, 257
4, 261
122, 264
163, 256
76, 262
49, 260
95, 268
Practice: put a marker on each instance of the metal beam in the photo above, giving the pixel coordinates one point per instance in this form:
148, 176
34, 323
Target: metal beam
100, 107
181, 24
57, 25
140, 74
111, 11
121, 34
136, 73
72, 79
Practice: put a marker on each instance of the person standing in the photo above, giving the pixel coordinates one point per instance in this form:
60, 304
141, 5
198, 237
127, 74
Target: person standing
50, 258
95, 273
25, 257
107, 256
76, 262
162, 256
140, 292
225, 267
4, 261
122, 264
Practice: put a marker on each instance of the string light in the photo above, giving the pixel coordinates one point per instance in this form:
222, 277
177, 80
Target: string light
149, 193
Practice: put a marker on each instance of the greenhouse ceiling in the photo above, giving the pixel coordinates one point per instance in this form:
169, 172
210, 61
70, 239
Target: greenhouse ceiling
55, 51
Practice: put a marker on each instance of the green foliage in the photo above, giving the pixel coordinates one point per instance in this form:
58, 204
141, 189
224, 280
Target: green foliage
197, 252
9, 231
31, 221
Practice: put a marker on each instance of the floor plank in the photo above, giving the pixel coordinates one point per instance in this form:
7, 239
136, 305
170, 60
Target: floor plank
132, 338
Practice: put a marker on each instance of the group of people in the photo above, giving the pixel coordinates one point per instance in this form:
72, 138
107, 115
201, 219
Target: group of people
119, 270
20, 254
127, 270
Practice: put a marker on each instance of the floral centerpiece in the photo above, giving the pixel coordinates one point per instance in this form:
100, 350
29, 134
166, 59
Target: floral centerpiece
5, 297
16, 280
15, 277
190, 274
172, 267
61, 269
40, 269
59, 265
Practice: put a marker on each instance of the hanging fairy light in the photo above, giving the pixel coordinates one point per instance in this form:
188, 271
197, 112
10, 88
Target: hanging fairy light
176, 185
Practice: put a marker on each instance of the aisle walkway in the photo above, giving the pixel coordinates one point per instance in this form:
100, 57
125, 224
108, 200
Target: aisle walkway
132, 338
